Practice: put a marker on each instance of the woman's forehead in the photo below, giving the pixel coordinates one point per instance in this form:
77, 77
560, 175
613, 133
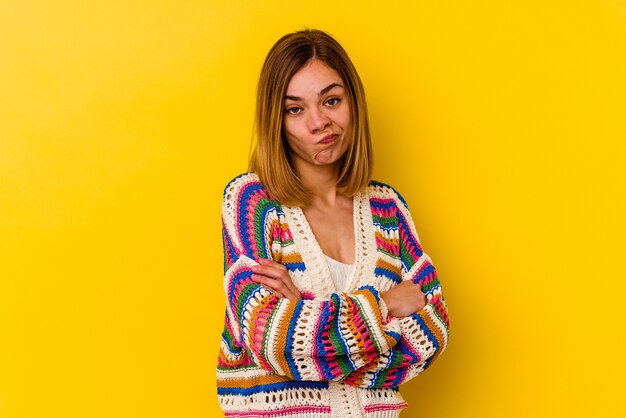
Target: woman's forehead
312, 79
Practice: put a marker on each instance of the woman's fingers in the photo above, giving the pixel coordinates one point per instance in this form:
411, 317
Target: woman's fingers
269, 283
281, 286
272, 269
279, 273
404, 299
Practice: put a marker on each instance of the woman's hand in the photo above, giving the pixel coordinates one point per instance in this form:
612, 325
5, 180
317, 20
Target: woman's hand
275, 277
404, 299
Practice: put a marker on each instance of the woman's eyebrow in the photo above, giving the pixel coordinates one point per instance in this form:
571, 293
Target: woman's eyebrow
329, 88
321, 93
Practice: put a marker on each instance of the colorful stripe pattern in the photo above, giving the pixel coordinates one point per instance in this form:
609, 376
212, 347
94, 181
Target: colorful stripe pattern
278, 355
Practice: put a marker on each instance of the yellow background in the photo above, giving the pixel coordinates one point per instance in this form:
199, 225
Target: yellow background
501, 122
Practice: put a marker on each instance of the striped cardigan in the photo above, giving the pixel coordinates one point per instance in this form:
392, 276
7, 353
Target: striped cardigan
278, 356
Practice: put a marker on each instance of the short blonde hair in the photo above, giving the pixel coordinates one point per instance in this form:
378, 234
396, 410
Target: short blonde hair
271, 157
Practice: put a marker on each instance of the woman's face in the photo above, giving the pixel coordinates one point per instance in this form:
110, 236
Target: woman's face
317, 121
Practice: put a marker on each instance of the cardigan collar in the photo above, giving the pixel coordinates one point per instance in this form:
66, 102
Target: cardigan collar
316, 276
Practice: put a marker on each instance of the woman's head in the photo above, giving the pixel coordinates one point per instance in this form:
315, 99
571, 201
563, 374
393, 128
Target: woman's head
272, 158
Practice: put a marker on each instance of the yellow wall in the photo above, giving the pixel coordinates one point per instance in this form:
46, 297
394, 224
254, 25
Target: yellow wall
502, 123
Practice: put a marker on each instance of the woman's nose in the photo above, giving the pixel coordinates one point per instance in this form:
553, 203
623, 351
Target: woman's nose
318, 121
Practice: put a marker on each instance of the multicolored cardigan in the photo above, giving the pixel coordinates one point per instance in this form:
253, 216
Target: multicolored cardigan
278, 356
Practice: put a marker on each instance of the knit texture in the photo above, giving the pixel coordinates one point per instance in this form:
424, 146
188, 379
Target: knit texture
345, 400
278, 356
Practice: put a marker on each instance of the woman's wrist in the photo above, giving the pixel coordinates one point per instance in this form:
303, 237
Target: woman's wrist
387, 302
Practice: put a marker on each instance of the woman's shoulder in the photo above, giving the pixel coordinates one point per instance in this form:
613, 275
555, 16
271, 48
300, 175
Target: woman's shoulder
241, 181
244, 184
379, 190
246, 189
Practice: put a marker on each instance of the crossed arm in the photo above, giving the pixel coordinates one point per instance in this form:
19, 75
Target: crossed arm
347, 337
401, 300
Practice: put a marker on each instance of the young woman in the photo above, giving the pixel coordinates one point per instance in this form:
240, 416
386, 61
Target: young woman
331, 302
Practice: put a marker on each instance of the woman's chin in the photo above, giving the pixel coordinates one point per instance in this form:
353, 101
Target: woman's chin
324, 157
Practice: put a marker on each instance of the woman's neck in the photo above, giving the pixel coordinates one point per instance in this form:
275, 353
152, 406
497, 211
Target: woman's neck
321, 182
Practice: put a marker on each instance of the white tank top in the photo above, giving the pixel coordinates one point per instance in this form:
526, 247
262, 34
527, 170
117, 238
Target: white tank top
340, 273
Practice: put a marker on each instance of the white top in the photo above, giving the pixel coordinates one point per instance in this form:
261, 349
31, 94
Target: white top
340, 273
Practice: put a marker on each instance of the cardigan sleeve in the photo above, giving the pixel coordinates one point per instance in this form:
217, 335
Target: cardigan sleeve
424, 334
308, 339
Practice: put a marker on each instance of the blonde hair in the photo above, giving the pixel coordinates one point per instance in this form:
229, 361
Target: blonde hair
271, 157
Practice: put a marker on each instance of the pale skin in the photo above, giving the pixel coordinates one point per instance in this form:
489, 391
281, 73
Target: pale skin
318, 129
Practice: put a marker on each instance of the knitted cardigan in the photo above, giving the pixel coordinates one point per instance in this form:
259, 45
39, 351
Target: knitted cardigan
276, 355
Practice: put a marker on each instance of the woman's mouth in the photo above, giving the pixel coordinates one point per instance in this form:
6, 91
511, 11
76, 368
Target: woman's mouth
328, 139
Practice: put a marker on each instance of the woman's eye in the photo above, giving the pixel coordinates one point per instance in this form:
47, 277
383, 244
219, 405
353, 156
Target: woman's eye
333, 101
293, 110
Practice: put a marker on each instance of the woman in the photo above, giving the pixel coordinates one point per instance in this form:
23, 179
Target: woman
331, 303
